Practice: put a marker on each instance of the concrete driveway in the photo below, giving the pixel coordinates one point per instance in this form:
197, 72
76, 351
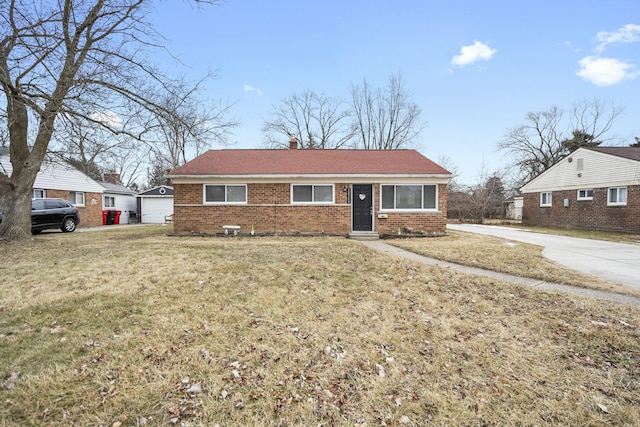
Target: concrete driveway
617, 262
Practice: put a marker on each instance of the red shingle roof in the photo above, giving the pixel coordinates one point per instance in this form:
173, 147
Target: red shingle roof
310, 162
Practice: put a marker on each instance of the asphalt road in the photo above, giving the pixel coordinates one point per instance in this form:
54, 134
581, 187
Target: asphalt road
617, 262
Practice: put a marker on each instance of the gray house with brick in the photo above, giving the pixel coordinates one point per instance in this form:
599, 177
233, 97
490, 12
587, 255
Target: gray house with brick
335, 192
592, 188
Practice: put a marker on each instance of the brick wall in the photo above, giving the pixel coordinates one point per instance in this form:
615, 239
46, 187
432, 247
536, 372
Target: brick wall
584, 214
90, 214
270, 211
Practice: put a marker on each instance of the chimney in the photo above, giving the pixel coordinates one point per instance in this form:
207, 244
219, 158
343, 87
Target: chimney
293, 143
112, 177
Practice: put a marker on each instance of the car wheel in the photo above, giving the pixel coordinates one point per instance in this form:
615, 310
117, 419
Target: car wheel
68, 225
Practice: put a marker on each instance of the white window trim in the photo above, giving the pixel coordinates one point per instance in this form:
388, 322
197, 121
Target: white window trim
317, 184
44, 193
421, 210
75, 199
610, 203
586, 197
112, 198
550, 199
204, 194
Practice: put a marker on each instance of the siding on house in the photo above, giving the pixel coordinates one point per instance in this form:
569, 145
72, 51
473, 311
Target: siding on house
586, 168
124, 200
596, 169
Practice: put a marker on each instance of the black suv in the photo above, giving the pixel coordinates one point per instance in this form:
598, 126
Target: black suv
52, 213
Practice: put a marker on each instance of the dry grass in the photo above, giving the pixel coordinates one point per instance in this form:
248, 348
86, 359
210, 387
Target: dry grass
497, 254
116, 327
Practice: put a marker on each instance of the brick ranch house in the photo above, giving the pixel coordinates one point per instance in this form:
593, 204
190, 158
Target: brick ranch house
593, 188
336, 192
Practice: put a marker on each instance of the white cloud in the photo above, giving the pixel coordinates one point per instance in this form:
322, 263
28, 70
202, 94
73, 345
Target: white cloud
605, 71
251, 89
108, 118
628, 34
475, 52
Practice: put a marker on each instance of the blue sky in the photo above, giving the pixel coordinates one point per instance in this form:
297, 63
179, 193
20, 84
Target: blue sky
476, 68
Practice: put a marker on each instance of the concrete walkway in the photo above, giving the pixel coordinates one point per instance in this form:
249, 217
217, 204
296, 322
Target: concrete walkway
382, 246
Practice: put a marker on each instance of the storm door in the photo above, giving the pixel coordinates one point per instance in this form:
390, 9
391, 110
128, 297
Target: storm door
362, 207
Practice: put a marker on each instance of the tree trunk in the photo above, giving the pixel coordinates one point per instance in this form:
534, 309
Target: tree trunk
16, 214
16, 189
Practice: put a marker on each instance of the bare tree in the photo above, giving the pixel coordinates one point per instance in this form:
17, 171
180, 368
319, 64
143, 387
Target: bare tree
83, 143
544, 138
536, 145
317, 122
595, 118
186, 127
385, 118
73, 58
479, 201
127, 160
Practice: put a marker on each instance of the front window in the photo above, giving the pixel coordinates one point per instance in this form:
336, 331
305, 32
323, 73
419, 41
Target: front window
617, 196
585, 194
109, 202
39, 193
76, 198
545, 199
312, 193
410, 197
225, 194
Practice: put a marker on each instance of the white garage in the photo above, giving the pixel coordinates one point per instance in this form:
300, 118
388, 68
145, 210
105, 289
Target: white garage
155, 204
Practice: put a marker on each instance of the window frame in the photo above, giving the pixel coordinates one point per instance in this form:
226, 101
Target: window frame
422, 207
313, 194
617, 202
226, 195
586, 196
107, 205
42, 193
546, 203
73, 198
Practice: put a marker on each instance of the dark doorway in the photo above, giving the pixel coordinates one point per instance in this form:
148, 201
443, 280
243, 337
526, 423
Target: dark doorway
362, 207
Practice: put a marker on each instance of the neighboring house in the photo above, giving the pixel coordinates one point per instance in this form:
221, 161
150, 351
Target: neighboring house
592, 188
513, 207
336, 192
57, 178
119, 198
155, 204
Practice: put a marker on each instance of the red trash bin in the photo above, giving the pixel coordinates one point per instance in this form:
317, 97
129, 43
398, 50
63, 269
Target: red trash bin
104, 217
116, 220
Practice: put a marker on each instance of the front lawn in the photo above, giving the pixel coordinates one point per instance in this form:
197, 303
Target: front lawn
131, 327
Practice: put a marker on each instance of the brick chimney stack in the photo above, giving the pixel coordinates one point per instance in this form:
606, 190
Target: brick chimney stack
293, 143
112, 177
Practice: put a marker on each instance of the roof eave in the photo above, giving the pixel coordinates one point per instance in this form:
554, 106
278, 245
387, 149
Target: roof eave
309, 176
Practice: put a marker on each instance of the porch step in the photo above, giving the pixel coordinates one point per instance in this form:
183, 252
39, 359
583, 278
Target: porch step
364, 235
